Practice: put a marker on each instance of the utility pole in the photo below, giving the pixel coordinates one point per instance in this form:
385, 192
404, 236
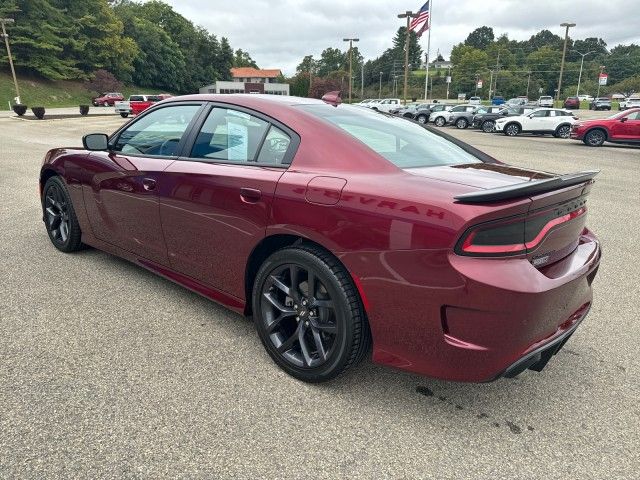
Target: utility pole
310, 77
350, 40
528, 83
408, 15
495, 87
490, 84
581, 64
564, 53
380, 91
6, 42
362, 81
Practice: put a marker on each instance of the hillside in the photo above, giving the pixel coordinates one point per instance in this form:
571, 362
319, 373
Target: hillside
38, 92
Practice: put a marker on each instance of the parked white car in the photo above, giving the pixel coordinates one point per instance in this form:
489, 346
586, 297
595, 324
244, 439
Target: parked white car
386, 104
545, 101
440, 119
475, 101
585, 98
631, 102
553, 121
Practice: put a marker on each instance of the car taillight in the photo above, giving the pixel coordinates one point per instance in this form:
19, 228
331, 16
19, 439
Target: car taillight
516, 235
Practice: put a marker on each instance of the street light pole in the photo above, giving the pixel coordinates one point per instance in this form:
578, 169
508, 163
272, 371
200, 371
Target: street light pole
564, 53
408, 15
6, 42
380, 91
581, 64
350, 40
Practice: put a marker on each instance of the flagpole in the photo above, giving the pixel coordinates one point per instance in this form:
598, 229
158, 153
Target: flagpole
426, 81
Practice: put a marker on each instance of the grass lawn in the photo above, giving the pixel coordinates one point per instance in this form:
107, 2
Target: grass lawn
38, 92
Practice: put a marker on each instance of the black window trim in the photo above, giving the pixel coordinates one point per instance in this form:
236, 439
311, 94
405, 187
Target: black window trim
190, 139
113, 139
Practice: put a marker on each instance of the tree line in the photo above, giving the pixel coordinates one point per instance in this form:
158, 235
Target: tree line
147, 44
534, 65
507, 67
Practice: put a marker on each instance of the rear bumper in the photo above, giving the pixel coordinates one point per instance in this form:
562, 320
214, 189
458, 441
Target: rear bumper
537, 359
472, 319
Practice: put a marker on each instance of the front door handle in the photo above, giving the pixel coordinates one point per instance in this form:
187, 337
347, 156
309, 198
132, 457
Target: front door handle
250, 195
148, 184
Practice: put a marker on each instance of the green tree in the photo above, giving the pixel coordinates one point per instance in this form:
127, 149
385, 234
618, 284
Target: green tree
42, 40
624, 62
415, 51
480, 38
469, 64
243, 59
331, 59
307, 64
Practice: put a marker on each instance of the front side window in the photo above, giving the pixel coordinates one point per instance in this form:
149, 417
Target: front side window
157, 133
230, 135
634, 116
405, 144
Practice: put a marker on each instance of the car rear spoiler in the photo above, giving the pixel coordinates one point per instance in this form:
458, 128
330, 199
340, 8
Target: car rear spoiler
526, 189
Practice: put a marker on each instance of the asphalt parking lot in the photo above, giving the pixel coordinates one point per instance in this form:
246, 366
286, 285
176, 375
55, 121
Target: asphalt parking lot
107, 371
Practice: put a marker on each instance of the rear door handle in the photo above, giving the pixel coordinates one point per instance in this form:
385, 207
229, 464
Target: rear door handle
250, 195
148, 184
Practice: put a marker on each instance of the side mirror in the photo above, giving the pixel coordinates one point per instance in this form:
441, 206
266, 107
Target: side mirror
624, 119
96, 142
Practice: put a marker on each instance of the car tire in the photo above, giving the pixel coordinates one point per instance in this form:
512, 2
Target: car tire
124, 115
439, 122
422, 119
488, 126
595, 137
563, 131
511, 129
313, 337
60, 217
462, 123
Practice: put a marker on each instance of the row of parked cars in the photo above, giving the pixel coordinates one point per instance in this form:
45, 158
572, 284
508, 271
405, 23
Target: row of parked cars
133, 106
623, 127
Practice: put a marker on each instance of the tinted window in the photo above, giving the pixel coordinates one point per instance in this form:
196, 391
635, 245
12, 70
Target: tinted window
136, 98
540, 113
230, 135
275, 146
158, 132
403, 143
634, 116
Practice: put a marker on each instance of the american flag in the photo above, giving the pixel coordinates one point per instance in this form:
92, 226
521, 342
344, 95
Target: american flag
420, 24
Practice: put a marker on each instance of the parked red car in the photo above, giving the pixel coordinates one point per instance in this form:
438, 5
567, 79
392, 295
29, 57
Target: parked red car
460, 267
623, 127
140, 105
572, 103
107, 99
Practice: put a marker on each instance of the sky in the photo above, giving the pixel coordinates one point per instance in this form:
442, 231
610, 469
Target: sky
279, 33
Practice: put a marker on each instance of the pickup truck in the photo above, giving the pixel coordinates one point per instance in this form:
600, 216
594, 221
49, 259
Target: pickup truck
137, 104
387, 105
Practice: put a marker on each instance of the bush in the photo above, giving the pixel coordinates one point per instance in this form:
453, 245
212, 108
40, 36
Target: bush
84, 109
19, 109
104, 81
38, 112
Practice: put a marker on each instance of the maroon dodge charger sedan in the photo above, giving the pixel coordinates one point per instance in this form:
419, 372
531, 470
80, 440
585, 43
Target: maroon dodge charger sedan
339, 230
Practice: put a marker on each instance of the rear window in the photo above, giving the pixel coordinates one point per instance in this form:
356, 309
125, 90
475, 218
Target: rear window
403, 143
136, 98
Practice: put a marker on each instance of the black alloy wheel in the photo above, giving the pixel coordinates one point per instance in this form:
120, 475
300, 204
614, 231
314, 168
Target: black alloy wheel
462, 123
440, 121
59, 217
595, 138
488, 125
308, 314
422, 119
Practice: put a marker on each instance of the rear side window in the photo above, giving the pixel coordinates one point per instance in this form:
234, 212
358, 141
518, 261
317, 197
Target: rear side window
540, 113
230, 135
136, 98
402, 143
